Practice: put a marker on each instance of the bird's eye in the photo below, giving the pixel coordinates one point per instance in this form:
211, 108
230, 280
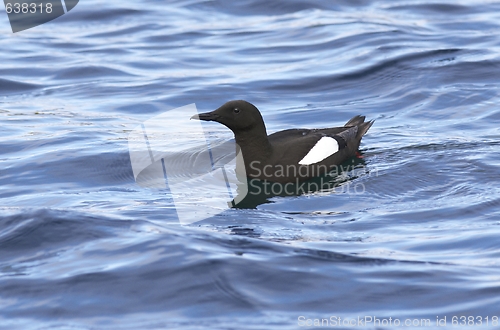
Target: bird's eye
236, 110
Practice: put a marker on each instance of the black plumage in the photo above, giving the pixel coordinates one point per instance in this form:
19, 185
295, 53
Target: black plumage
281, 156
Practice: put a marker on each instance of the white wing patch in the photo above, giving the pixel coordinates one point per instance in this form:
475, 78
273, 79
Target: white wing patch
325, 147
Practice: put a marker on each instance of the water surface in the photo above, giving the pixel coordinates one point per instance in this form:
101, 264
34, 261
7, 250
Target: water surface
82, 246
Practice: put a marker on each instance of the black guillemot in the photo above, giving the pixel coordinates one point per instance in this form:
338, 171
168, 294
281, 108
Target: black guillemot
292, 155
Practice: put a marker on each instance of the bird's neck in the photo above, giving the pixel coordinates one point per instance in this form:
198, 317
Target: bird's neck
254, 144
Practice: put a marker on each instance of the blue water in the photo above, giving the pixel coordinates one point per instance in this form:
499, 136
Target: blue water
83, 246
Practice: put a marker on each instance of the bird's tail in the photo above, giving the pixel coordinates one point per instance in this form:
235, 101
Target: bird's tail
363, 126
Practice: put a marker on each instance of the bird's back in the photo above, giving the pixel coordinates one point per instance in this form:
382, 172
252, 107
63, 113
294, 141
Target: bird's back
296, 147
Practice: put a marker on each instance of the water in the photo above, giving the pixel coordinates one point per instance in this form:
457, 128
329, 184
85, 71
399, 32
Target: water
82, 246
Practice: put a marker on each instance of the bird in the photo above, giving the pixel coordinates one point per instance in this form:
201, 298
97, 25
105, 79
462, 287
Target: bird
288, 156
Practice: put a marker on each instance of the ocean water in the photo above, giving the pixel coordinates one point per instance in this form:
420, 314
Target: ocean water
411, 234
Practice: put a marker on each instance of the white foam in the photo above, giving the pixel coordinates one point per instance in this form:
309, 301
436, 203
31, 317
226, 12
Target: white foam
324, 148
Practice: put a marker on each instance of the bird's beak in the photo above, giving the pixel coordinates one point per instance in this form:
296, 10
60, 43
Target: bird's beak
208, 116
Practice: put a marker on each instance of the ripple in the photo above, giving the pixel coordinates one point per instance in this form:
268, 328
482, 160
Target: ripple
89, 72
15, 87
